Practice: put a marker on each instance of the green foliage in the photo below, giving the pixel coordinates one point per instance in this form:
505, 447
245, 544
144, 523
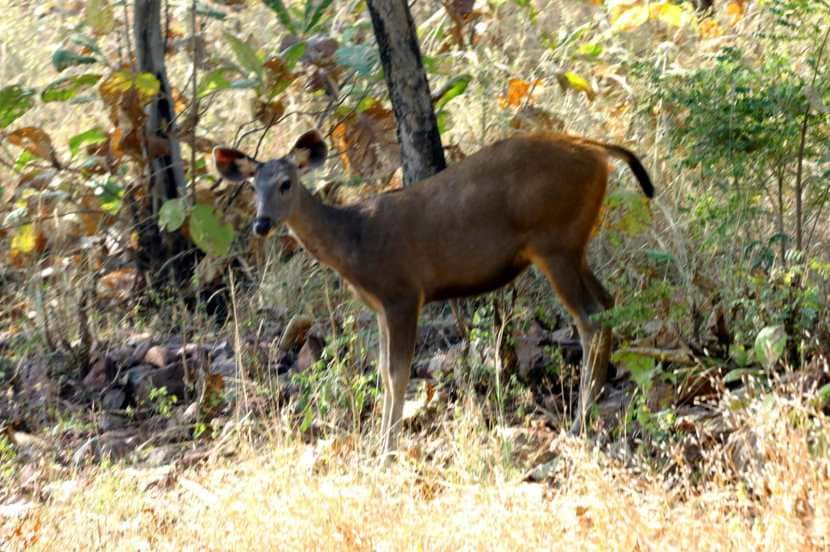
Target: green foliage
63, 59
208, 232
68, 88
333, 386
163, 401
15, 100
87, 137
172, 214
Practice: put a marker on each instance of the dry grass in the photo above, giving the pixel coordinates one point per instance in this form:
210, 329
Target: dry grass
287, 495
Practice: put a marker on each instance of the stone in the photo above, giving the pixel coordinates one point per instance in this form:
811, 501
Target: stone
309, 354
114, 399
157, 355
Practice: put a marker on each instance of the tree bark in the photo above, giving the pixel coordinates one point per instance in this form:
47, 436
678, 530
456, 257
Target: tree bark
167, 170
400, 55
162, 257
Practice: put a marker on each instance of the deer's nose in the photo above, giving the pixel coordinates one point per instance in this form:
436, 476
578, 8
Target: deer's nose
262, 225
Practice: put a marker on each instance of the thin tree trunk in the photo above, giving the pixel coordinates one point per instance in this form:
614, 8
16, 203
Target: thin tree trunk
421, 152
162, 257
167, 170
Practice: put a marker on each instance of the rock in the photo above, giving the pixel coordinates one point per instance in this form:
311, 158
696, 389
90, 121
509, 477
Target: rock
190, 414
111, 422
295, 332
116, 444
84, 452
221, 349
662, 395
443, 363
139, 350
163, 455
143, 379
225, 366
101, 373
114, 399
29, 446
157, 355
139, 339
309, 353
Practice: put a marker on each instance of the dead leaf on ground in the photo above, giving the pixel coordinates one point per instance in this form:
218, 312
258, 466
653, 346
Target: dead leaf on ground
118, 284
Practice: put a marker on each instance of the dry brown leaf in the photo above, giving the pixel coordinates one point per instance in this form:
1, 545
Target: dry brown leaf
35, 141
517, 91
368, 144
118, 284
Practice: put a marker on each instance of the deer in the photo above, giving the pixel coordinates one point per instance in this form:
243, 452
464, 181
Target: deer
531, 199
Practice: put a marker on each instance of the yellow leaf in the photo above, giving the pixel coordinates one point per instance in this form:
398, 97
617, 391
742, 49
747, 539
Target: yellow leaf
627, 16
670, 14
28, 239
24, 239
735, 10
709, 28
569, 79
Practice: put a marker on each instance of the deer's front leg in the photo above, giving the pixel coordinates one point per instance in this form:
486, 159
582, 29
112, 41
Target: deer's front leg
401, 322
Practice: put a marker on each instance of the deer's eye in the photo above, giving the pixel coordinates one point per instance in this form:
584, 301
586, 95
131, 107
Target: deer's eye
284, 185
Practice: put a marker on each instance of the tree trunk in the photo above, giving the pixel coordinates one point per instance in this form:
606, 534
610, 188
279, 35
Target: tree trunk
421, 151
161, 256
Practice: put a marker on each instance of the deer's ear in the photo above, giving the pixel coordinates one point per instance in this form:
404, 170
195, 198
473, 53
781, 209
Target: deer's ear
233, 164
309, 151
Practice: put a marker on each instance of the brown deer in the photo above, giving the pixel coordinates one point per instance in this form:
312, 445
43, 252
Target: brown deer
529, 199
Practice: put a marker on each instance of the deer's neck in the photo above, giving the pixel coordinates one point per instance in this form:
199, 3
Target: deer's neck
328, 233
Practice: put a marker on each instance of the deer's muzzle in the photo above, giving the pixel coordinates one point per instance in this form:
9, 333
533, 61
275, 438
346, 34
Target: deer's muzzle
261, 226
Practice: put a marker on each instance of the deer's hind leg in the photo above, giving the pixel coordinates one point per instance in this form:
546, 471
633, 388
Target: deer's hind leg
582, 295
402, 321
383, 369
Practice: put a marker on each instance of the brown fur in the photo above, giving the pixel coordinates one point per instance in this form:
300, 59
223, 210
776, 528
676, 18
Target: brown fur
472, 228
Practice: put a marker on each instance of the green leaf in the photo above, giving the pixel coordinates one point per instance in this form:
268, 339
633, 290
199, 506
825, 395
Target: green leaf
282, 14
99, 16
172, 214
642, 368
454, 88
14, 102
212, 82
769, 345
208, 233
110, 194
24, 159
62, 59
739, 373
291, 55
146, 84
362, 58
91, 136
822, 395
590, 50
635, 217
314, 13
67, 88
245, 55
659, 257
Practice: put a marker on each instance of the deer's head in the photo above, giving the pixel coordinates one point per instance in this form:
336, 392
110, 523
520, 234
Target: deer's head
276, 182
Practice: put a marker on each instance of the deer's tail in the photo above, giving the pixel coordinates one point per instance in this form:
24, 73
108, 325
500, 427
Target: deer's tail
634, 162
